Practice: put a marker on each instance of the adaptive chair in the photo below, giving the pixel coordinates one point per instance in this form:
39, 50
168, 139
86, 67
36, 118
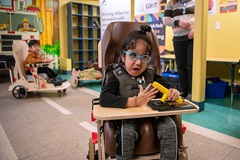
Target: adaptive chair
147, 143
30, 83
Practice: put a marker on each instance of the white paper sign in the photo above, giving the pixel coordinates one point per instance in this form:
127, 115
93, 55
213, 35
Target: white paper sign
212, 6
146, 6
114, 10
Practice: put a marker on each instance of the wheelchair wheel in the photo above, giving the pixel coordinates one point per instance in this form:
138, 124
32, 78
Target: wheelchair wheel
59, 93
91, 152
80, 83
74, 81
183, 152
19, 92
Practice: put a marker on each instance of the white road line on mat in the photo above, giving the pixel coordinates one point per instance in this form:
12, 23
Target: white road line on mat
90, 91
88, 126
56, 106
6, 149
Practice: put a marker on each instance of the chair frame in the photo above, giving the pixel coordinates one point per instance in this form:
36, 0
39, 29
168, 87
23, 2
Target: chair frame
9, 70
100, 114
22, 85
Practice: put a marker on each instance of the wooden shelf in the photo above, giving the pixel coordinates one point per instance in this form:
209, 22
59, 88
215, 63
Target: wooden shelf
83, 33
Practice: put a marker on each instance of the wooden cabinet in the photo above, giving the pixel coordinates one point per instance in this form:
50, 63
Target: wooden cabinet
83, 33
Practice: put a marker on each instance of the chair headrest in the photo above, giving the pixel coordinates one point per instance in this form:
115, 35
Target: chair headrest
113, 38
20, 49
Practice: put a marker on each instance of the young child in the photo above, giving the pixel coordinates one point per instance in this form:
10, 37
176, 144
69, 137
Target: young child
129, 85
35, 57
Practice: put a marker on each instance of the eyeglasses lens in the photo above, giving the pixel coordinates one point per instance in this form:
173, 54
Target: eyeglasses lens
145, 58
135, 56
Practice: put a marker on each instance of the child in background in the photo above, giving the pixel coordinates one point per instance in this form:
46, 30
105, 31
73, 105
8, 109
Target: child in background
129, 85
34, 57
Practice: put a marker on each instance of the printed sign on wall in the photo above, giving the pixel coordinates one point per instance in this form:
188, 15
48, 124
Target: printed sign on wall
146, 7
212, 6
152, 13
228, 6
114, 10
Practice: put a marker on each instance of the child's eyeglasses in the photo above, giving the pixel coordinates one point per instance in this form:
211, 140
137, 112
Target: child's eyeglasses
135, 56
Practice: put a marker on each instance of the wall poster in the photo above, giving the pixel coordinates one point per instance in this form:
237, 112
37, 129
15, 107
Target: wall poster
212, 6
7, 4
152, 13
114, 10
228, 6
30, 19
49, 6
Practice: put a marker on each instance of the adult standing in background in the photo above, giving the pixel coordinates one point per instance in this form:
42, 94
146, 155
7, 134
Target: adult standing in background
179, 14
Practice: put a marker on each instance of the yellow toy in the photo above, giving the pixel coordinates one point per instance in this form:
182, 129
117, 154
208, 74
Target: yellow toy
165, 92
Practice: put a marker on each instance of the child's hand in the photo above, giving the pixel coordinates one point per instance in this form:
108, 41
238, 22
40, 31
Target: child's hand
144, 96
173, 95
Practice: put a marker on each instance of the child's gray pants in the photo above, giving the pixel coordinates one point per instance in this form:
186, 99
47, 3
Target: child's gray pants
166, 132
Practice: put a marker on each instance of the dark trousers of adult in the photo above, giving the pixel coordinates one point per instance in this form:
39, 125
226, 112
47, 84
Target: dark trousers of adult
184, 56
50, 73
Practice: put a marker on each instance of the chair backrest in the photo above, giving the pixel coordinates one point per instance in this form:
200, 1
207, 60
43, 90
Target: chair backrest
113, 38
20, 52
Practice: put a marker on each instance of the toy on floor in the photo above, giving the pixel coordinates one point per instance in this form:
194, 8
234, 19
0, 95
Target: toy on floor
78, 77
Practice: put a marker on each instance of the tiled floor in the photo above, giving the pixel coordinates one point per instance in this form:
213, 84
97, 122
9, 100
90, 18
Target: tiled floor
219, 116
47, 127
